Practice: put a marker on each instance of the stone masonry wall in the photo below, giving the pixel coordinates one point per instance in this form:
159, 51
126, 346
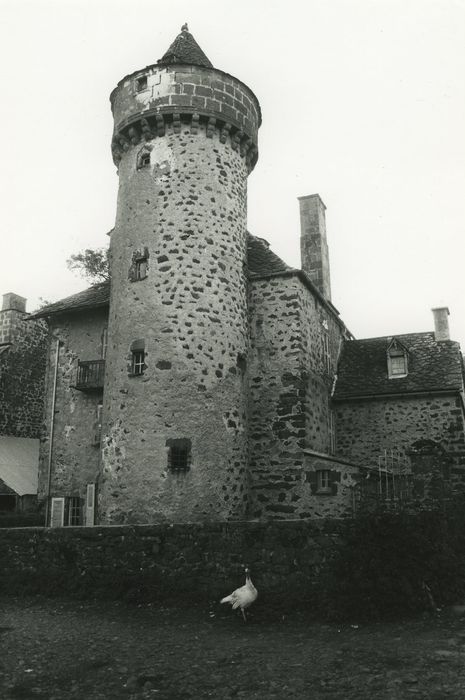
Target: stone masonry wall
185, 90
22, 374
366, 428
76, 436
190, 560
290, 375
185, 212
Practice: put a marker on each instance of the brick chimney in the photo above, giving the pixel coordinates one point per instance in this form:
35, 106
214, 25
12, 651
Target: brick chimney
313, 244
441, 323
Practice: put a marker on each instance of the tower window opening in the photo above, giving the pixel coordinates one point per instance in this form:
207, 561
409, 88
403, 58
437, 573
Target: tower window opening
141, 83
179, 455
144, 160
140, 269
138, 362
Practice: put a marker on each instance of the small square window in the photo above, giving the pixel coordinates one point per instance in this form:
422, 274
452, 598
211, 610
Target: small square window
141, 83
138, 362
323, 481
144, 160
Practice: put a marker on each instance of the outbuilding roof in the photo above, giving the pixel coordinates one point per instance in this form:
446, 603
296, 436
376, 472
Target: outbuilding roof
19, 463
432, 366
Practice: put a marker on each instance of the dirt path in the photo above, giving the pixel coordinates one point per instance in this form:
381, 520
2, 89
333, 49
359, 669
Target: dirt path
87, 651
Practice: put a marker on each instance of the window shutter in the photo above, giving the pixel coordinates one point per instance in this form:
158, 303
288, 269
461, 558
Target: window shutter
90, 505
57, 515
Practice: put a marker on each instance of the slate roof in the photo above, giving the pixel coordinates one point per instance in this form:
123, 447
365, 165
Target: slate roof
432, 366
91, 298
261, 261
185, 49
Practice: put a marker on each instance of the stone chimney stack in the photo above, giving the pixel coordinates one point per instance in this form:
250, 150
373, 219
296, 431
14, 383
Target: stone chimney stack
11, 317
441, 323
13, 302
313, 244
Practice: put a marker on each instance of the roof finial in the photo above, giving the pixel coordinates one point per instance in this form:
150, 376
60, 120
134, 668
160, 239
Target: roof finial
185, 28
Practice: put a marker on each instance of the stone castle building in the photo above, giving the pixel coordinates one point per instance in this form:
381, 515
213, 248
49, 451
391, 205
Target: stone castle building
209, 380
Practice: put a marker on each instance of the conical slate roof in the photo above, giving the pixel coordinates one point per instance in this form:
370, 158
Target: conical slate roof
185, 49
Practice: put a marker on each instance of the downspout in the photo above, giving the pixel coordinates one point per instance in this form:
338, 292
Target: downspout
52, 427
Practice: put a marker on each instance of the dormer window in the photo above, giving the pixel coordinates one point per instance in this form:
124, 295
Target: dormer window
397, 360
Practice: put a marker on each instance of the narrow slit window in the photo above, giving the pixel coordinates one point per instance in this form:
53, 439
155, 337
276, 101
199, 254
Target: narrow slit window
104, 343
138, 362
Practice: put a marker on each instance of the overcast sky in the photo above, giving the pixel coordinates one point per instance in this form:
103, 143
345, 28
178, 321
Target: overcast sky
363, 101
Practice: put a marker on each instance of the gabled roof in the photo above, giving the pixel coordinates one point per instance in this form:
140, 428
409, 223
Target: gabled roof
96, 296
19, 463
185, 49
261, 261
432, 366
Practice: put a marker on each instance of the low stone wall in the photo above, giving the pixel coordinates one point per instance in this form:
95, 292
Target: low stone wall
156, 562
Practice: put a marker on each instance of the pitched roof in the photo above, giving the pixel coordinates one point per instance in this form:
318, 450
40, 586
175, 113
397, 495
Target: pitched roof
432, 366
261, 261
185, 49
91, 298
19, 463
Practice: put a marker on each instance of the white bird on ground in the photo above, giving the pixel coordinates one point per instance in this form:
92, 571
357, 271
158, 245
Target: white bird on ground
242, 597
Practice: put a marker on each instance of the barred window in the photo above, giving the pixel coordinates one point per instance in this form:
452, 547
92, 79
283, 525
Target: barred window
179, 454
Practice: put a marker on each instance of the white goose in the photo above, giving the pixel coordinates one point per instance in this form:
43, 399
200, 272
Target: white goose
242, 597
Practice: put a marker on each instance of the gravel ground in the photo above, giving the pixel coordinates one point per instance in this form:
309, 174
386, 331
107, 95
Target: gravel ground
88, 651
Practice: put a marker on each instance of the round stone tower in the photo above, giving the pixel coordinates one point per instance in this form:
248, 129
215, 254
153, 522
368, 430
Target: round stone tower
175, 397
